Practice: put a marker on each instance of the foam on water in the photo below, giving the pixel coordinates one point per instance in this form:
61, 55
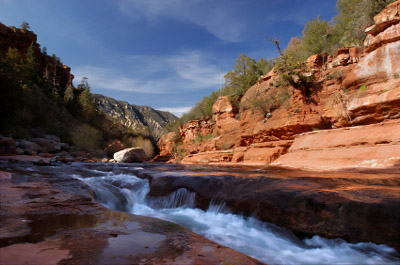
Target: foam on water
263, 241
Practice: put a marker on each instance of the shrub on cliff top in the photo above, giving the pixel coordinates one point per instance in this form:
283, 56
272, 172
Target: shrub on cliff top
246, 72
352, 18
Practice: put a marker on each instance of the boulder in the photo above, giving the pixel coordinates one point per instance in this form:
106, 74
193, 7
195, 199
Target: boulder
30, 148
166, 143
48, 145
7, 145
6, 141
52, 137
114, 147
316, 61
130, 155
64, 146
222, 109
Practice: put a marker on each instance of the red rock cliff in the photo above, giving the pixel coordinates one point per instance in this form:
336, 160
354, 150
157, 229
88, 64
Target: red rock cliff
11, 37
350, 120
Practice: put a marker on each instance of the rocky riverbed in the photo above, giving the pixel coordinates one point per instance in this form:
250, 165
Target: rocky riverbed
49, 217
53, 214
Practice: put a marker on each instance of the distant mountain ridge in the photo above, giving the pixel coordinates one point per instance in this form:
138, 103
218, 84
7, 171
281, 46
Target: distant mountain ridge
138, 118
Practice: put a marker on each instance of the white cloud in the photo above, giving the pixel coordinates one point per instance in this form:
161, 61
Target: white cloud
223, 19
177, 111
110, 79
194, 67
187, 71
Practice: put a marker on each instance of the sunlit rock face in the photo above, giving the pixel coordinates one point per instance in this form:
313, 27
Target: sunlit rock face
356, 86
138, 118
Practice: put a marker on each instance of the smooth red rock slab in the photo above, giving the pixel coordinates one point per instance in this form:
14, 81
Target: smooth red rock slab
369, 146
45, 252
265, 153
208, 157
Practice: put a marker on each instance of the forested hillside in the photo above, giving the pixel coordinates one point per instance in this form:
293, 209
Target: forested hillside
38, 97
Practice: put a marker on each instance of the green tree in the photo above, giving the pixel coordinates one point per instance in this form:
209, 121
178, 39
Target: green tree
353, 17
292, 58
31, 65
25, 26
264, 66
315, 37
243, 76
69, 94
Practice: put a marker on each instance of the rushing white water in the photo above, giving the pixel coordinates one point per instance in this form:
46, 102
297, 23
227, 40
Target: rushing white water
265, 242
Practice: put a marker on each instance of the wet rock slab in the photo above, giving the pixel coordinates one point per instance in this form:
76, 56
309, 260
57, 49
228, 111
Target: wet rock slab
356, 206
49, 217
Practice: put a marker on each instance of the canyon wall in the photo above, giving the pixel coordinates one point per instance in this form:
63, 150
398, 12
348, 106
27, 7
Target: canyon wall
141, 119
21, 39
351, 118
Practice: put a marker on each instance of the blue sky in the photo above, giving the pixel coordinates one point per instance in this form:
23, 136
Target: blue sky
167, 54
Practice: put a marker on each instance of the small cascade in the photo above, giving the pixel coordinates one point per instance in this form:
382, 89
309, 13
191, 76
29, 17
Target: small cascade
263, 241
180, 198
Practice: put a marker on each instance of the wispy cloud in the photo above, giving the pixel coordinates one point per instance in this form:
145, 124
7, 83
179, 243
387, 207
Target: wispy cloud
177, 111
187, 71
111, 79
222, 19
194, 67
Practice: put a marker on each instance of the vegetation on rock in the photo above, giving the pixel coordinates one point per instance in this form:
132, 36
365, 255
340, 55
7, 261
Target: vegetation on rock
318, 36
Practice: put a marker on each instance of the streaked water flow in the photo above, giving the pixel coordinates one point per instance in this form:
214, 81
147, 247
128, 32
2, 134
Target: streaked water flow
263, 241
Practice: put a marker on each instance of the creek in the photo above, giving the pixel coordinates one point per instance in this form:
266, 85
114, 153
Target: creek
264, 241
